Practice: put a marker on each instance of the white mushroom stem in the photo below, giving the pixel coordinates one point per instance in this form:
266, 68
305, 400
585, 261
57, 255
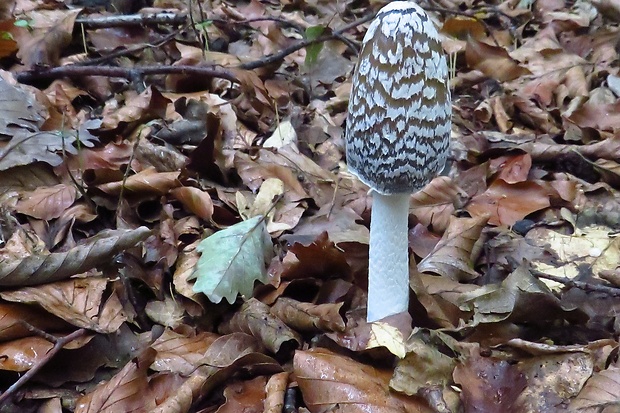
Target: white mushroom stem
388, 272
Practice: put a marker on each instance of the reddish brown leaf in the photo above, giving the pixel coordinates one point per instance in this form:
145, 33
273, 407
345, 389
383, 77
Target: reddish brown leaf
506, 203
602, 117
194, 200
181, 354
147, 182
79, 302
308, 316
493, 61
8, 46
128, 391
245, 396
328, 380
513, 169
254, 318
455, 254
275, 391
22, 354
489, 385
47, 203
434, 204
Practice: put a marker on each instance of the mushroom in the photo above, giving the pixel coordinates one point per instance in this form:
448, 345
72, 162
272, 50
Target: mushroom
397, 138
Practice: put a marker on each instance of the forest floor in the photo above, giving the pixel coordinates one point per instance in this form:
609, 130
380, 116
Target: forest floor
179, 232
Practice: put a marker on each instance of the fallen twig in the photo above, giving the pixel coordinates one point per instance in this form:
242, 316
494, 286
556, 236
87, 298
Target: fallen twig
132, 20
272, 58
59, 343
126, 73
605, 289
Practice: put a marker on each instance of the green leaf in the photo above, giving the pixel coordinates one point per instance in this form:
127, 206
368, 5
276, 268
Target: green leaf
232, 259
313, 50
22, 23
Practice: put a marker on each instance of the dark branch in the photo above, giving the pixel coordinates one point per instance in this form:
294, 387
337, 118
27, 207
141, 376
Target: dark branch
59, 343
126, 73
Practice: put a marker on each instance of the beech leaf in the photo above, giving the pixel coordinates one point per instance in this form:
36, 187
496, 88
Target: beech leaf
232, 259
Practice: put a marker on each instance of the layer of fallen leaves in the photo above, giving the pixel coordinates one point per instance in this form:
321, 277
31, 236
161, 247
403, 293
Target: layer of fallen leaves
132, 201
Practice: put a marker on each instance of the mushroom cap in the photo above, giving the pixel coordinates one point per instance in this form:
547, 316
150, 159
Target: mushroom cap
398, 123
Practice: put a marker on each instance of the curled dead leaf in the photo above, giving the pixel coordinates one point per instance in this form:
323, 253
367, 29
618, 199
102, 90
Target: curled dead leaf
44, 268
493, 61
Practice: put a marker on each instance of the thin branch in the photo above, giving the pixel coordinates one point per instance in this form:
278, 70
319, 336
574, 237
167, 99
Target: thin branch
297, 27
132, 20
276, 57
59, 343
608, 290
126, 73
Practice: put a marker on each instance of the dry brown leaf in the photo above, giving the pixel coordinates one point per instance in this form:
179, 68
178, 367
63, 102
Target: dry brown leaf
148, 105
47, 202
307, 316
340, 224
455, 254
434, 204
443, 312
44, 268
602, 117
463, 27
513, 169
518, 297
168, 312
148, 182
45, 48
320, 258
178, 353
488, 384
493, 61
224, 357
22, 354
275, 391
328, 380
255, 172
609, 170
194, 200
13, 317
254, 318
532, 114
555, 379
128, 391
600, 391
608, 8
506, 203
79, 302
184, 269
246, 396
544, 149
423, 366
